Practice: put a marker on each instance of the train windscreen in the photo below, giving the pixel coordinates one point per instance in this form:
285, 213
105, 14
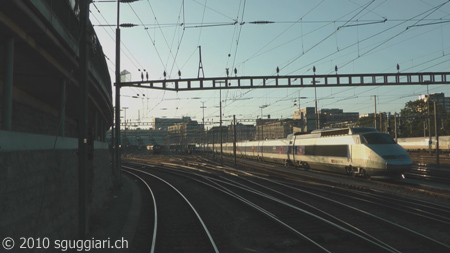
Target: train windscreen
376, 138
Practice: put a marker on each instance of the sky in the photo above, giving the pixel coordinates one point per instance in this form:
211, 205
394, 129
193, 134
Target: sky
257, 36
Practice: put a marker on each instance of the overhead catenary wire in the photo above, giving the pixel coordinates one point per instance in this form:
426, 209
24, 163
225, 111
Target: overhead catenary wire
292, 60
338, 56
430, 11
128, 53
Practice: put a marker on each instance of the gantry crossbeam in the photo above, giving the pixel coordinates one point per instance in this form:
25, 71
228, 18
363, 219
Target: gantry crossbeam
294, 81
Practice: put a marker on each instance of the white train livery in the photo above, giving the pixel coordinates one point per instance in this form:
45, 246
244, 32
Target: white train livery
354, 151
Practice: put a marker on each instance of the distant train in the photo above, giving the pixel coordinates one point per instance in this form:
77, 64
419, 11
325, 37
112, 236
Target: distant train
186, 148
353, 151
155, 149
422, 143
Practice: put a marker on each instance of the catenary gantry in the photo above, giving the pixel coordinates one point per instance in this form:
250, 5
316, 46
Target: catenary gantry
293, 81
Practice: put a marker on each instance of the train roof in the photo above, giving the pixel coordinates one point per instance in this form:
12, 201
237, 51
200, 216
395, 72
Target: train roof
327, 132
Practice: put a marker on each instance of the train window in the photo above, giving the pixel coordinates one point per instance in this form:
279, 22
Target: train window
377, 138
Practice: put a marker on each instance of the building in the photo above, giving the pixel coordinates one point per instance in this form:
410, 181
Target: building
337, 117
139, 137
243, 132
185, 132
333, 117
213, 134
439, 98
164, 123
307, 119
276, 129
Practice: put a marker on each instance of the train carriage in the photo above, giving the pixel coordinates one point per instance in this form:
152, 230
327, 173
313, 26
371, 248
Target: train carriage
155, 149
422, 143
356, 151
362, 151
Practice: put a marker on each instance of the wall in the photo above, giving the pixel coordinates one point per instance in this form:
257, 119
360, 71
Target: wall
39, 185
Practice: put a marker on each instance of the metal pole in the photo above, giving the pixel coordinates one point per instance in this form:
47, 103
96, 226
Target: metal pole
220, 123
429, 125
262, 127
381, 122
436, 130
125, 135
395, 125
117, 146
203, 120
315, 100
375, 112
315, 97
7, 87
82, 123
234, 139
388, 128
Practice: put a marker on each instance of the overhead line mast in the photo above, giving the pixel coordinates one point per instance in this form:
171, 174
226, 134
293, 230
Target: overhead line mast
200, 64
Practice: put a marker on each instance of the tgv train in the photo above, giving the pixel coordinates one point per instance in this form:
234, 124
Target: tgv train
422, 143
354, 151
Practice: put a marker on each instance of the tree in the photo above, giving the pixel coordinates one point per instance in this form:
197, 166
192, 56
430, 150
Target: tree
414, 119
365, 122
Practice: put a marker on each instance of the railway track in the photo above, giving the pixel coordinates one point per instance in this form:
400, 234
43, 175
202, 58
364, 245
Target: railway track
177, 224
321, 217
360, 220
429, 173
421, 185
425, 167
414, 209
233, 227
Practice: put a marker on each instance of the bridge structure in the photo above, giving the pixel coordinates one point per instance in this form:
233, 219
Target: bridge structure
293, 81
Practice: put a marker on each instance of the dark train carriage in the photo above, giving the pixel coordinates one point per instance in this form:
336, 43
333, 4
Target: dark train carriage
155, 149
